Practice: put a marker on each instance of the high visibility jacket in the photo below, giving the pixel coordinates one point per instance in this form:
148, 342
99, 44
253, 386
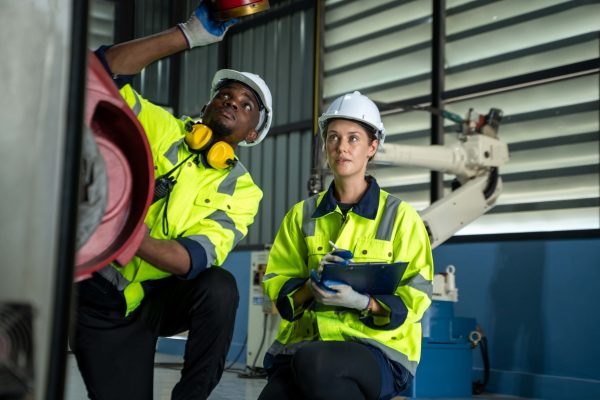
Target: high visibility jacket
380, 228
210, 207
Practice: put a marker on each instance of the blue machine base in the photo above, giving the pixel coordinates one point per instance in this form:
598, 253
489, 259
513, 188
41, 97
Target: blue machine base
444, 371
446, 363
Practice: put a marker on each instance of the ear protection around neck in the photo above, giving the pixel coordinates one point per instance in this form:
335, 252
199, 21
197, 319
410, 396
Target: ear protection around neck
200, 140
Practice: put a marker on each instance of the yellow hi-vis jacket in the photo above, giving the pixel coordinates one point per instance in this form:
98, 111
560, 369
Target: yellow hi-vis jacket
380, 228
210, 207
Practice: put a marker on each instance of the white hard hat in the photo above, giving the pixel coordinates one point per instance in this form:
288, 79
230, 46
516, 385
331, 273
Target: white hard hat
357, 107
258, 85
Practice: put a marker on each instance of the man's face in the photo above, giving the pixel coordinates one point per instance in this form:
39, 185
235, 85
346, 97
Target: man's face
233, 114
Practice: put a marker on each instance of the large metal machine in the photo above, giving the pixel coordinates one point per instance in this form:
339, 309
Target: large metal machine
117, 179
263, 319
474, 159
40, 110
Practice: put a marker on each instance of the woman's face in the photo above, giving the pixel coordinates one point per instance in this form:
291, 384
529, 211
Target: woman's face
348, 149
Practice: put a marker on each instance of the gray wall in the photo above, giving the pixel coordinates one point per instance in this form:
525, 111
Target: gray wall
153, 16
281, 52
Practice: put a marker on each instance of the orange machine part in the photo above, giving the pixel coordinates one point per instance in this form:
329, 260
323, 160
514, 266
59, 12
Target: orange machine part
129, 168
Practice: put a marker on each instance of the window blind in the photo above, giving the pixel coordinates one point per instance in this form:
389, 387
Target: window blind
536, 60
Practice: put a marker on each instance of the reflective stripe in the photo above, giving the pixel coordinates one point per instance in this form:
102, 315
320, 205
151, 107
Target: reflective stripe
269, 276
278, 348
226, 222
308, 208
171, 154
390, 353
385, 229
137, 107
421, 284
113, 276
209, 247
227, 186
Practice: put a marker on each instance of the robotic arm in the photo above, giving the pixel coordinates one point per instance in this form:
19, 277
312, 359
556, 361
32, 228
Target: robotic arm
474, 159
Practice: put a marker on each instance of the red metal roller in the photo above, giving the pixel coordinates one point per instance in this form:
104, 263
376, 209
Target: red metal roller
223, 10
129, 170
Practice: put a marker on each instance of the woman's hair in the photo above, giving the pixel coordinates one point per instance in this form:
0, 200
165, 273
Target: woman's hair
371, 133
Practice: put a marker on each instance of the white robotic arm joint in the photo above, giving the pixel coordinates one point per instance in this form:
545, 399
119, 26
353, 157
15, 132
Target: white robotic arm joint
474, 160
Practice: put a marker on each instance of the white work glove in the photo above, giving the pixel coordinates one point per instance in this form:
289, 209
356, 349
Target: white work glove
339, 256
344, 296
201, 30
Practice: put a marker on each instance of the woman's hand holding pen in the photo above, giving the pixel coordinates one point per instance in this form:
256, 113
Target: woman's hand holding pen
336, 256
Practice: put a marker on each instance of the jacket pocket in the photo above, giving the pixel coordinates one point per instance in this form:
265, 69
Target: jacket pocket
190, 218
214, 200
373, 250
317, 247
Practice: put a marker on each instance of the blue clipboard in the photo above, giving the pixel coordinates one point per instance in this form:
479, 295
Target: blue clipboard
371, 278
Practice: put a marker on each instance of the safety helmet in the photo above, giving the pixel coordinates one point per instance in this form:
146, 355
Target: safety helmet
357, 107
258, 85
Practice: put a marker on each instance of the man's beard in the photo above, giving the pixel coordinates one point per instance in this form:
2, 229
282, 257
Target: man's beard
220, 130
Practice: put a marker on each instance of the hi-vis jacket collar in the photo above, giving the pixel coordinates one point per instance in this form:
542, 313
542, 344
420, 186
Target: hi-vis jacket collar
366, 207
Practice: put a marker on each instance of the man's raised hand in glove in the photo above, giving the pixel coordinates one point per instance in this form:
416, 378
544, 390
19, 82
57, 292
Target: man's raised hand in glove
201, 29
341, 295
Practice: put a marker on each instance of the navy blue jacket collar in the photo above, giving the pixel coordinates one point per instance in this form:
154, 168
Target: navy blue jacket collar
367, 206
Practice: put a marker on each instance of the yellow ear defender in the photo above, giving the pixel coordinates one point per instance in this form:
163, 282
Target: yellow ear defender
220, 155
199, 138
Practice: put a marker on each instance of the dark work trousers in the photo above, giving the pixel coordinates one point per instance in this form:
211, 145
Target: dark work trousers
325, 370
116, 354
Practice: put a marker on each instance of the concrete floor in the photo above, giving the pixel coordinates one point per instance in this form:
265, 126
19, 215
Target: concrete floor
231, 387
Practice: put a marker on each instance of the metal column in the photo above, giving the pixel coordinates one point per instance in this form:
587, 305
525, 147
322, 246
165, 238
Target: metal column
438, 41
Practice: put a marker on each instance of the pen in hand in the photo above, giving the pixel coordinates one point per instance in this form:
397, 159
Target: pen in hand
345, 254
